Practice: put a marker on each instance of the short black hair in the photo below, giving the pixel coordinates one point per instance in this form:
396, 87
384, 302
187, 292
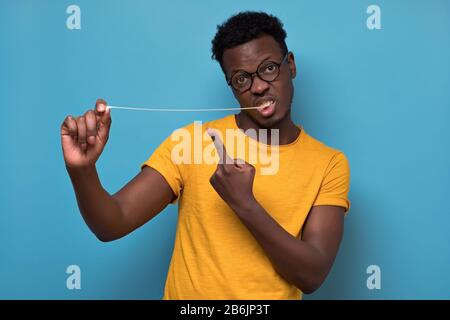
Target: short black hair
244, 27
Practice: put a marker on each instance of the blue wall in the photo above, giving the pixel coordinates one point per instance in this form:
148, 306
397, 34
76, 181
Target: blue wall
381, 96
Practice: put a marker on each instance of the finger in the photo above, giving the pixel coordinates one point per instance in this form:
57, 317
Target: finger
81, 124
103, 113
69, 127
104, 125
91, 126
106, 118
100, 106
221, 151
238, 162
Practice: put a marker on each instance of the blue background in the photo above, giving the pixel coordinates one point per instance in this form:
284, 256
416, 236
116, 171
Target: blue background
381, 96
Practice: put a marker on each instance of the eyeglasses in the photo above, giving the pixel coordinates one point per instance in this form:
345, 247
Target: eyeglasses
268, 71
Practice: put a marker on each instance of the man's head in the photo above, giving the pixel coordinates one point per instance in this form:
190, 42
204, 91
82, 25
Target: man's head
252, 52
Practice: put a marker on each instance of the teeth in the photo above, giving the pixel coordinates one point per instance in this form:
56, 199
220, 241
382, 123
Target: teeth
265, 104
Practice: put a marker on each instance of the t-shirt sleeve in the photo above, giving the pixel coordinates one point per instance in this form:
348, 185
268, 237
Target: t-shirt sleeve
161, 161
335, 184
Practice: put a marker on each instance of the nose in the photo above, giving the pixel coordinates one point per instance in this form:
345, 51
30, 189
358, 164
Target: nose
259, 86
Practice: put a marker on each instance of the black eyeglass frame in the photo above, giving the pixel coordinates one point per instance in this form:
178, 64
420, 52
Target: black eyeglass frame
257, 73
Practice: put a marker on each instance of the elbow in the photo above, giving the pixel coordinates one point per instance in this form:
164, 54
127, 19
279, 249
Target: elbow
107, 234
311, 285
105, 237
308, 289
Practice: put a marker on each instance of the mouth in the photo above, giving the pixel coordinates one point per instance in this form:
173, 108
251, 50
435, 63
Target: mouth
267, 108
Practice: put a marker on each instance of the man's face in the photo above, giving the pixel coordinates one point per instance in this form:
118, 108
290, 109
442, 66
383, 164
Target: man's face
247, 57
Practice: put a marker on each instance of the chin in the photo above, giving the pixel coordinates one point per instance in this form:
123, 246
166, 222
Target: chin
271, 122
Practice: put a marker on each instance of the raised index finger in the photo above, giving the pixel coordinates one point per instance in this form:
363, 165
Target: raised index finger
221, 150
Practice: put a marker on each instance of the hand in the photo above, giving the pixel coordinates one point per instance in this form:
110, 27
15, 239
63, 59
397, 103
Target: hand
233, 179
83, 138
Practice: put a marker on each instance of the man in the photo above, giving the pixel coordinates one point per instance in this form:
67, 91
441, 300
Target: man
241, 234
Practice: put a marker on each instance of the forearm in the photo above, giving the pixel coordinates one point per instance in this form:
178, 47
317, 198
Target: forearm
297, 261
99, 209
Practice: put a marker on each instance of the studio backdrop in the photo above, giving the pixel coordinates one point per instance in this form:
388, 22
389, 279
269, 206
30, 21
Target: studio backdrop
373, 81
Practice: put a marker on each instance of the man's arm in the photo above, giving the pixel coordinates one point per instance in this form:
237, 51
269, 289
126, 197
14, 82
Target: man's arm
303, 262
110, 217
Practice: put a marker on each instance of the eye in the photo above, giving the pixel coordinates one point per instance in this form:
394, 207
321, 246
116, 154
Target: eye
240, 79
270, 68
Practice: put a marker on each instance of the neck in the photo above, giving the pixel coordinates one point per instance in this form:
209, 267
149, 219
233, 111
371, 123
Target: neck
288, 131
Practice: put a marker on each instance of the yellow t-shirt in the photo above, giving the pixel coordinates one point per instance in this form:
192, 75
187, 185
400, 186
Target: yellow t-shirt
215, 256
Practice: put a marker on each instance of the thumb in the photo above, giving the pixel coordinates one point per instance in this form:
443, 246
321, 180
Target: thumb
103, 118
104, 125
103, 112
106, 117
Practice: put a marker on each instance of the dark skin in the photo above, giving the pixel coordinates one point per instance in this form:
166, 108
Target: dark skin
247, 57
303, 262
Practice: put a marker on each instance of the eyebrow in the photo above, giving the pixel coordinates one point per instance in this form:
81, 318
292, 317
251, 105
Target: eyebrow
233, 71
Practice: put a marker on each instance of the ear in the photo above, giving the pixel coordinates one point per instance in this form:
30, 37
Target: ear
291, 62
